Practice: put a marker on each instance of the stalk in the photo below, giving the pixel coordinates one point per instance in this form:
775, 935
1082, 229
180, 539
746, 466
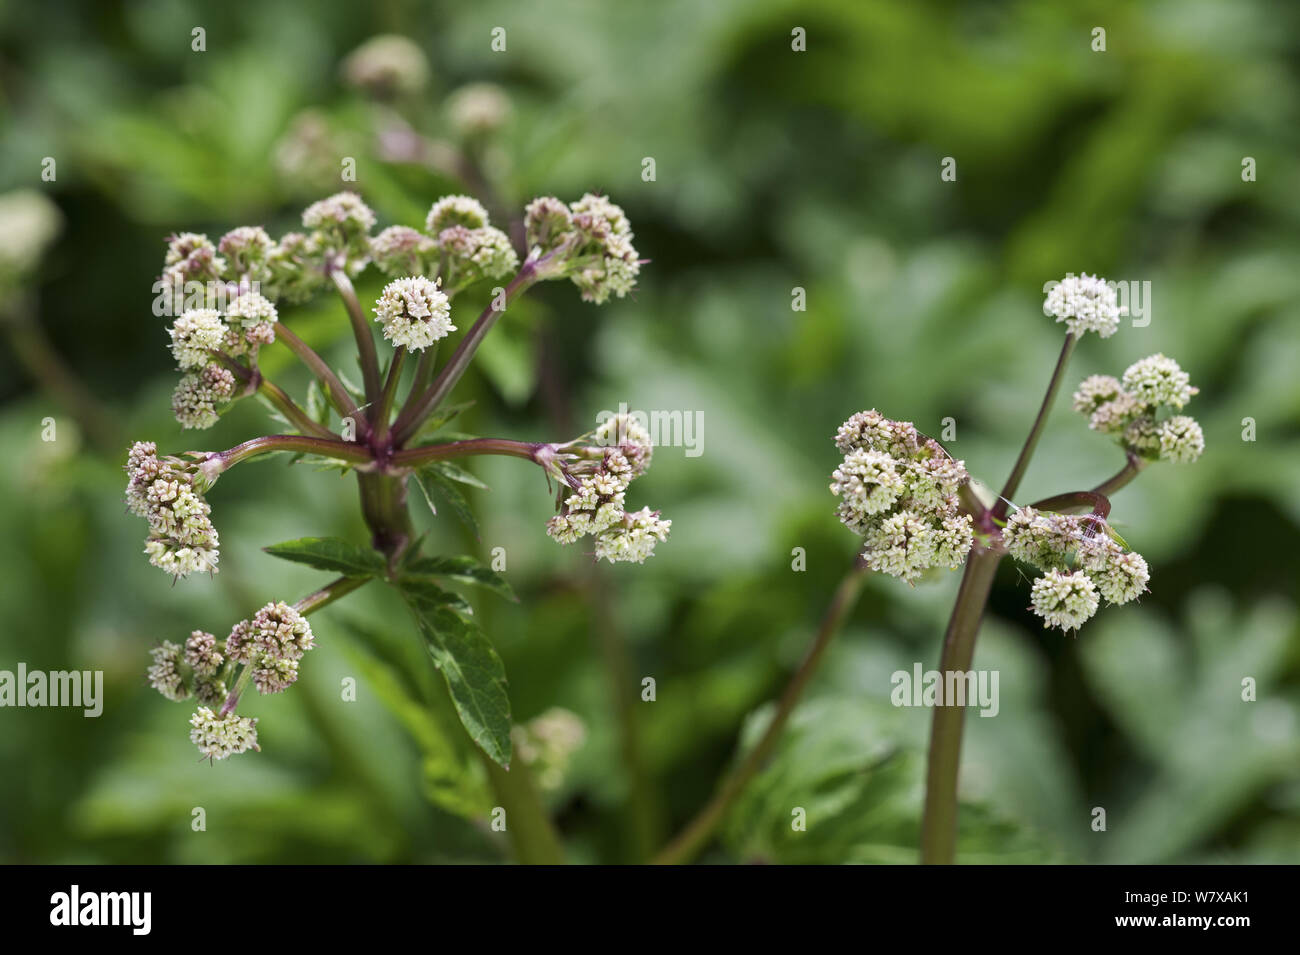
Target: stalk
216, 464
360, 331
1022, 462
939, 827
254, 379
534, 839
338, 395
418, 457
385, 407
693, 838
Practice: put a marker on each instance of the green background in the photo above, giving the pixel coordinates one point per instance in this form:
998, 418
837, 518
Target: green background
775, 169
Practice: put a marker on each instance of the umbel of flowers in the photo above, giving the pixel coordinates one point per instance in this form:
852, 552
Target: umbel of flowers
228, 299
904, 494
898, 490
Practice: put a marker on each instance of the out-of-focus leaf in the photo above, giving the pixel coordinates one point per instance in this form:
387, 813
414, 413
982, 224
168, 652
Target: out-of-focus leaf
465, 569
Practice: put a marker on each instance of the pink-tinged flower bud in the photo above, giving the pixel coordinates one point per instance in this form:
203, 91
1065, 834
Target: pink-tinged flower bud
165, 674
455, 210
218, 738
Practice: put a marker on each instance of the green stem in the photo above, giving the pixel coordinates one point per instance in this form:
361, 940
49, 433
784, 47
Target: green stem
361, 331
1022, 463
410, 420
939, 827
255, 380
693, 838
534, 839
1132, 468
423, 376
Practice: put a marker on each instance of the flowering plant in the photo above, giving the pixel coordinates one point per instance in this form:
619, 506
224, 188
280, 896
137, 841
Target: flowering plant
231, 295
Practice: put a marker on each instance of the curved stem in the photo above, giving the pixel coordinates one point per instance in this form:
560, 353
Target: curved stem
939, 826
1132, 468
337, 394
691, 839
254, 379
1022, 462
216, 464
426, 454
423, 376
360, 331
411, 419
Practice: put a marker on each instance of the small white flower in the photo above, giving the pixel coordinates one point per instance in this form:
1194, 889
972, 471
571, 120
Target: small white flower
414, 312
1157, 380
1086, 304
195, 334
164, 675
199, 396
633, 538
1125, 577
343, 210
1094, 391
1181, 439
455, 210
1064, 599
218, 738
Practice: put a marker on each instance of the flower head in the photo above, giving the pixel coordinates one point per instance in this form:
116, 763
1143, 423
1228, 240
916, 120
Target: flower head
414, 312
295, 267
455, 210
401, 250
473, 254
1086, 304
271, 642
246, 250
218, 738
195, 334
164, 491
478, 109
342, 225
1131, 408
165, 674
547, 743
386, 66
1064, 599
898, 489
199, 396
1181, 439
1157, 380
252, 319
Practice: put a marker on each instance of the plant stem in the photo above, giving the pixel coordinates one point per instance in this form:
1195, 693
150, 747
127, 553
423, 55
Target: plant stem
411, 419
361, 331
338, 395
691, 839
423, 375
939, 827
417, 457
1132, 468
383, 505
254, 379
216, 464
1022, 463
531, 833
385, 407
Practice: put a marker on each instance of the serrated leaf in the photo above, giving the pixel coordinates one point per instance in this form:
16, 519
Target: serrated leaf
330, 553
442, 416
425, 591
475, 675
457, 473
465, 569
450, 492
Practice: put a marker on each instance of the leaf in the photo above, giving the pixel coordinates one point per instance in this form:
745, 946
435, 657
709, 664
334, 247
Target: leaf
447, 487
457, 473
425, 591
443, 416
475, 675
464, 569
330, 553
453, 778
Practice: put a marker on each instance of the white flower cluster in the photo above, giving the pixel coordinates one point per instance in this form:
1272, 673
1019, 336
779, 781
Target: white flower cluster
898, 489
400, 250
414, 312
478, 109
470, 248
547, 742
218, 737
1129, 409
272, 643
340, 236
1080, 560
599, 480
181, 538
591, 242
195, 670
387, 65
199, 396
1086, 303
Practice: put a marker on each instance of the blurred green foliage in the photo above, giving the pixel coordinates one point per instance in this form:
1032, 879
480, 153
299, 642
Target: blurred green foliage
775, 169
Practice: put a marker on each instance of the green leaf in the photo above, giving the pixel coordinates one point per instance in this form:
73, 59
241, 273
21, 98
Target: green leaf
464, 569
453, 777
330, 553
443, 416
475, 675
450, 492
457, 473
425, 591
